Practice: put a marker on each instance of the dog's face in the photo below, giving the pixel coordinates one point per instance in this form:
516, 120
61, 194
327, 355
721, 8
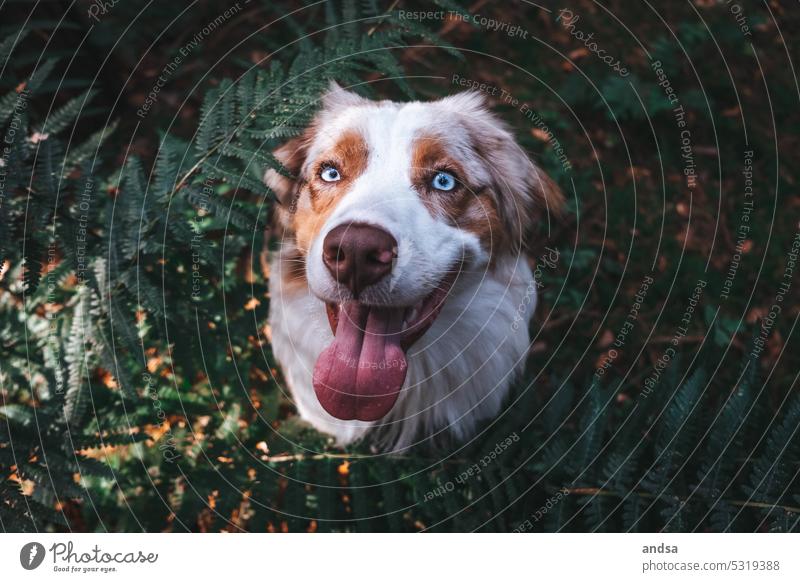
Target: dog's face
389, 203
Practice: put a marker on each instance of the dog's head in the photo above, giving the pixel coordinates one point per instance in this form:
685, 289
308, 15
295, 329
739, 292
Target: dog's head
389, 202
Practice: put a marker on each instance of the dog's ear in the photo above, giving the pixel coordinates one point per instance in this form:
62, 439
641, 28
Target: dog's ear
335, 98
524, 191
292, 155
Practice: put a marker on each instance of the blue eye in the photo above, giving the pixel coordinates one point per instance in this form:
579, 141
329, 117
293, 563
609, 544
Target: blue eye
330, 174
444, 181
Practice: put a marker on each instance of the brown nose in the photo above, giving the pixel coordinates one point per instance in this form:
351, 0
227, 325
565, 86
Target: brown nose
358, 255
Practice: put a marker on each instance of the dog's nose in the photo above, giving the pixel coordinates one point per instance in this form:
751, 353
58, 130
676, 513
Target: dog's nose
358, 255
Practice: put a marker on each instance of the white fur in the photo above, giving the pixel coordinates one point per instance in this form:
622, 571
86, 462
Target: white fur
459, 372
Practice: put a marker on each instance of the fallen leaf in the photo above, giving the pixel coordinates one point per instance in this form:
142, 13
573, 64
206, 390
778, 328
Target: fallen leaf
578, 53
540, 134
605, 339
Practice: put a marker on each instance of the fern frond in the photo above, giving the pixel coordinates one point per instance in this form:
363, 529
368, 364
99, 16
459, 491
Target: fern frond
67, 114
76, 356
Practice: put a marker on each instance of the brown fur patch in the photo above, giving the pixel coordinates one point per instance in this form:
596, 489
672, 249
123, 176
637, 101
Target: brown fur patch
468, 206
317, 198
349, 156
292, 155
429, 156
293, 271
305, 203
482, 218
307, 223
550, 197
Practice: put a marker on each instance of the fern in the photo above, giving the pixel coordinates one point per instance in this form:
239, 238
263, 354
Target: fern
726, 435
67, 114
775, 469
76, 356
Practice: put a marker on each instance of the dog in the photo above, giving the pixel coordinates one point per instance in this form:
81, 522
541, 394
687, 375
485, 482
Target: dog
401, 294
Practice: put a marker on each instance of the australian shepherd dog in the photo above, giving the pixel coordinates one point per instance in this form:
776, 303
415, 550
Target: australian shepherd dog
401, 295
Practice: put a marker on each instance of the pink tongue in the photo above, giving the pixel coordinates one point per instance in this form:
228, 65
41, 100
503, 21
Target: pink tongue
361, 373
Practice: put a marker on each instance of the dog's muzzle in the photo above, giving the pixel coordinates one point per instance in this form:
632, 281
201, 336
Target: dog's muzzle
360, 375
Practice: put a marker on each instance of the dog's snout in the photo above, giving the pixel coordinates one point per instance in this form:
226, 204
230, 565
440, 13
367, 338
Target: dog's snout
358, 255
